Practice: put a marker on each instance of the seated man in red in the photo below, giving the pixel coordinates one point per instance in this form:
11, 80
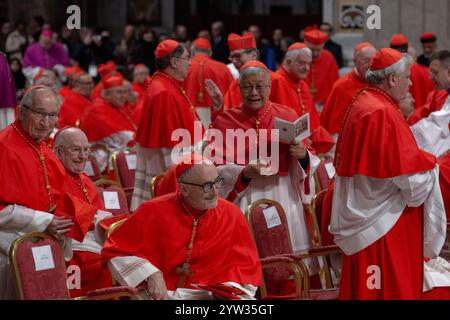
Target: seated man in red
72, 149
185, 238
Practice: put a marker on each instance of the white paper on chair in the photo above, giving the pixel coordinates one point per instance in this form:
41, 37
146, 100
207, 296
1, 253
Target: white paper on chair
272, 217
43, 258
331, 171
88, 169
111, 200
131, 161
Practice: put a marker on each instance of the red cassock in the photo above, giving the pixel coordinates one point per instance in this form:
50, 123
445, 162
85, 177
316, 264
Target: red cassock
340, 97
93, 274
323, 74
289, 91
421, 84
22, 178
376, 134
160, 230
444, 181
97, 92
166, 109
101, 120
139, 89
435, 101
73, 106
64, 91
202, 68
327, 237
232, 98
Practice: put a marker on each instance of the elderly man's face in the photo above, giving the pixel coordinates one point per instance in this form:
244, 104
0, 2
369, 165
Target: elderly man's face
140, 74
400, 88
116, 96
84, 85
316, 49
39, 119
429, 48
74, 151
362, 60
194, 195
439, 75
255, 90
300, 65
130, 95
241, 57
182, 64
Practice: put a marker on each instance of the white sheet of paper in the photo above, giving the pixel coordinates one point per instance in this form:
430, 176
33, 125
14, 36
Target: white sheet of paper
43, 258
88, 169
131, 161
111, 199
272, 217
293, 131
330, 169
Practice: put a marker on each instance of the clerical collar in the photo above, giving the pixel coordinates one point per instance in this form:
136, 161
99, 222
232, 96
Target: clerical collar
290, 75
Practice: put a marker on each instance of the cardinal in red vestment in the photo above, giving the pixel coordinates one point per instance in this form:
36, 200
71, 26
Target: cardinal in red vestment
324, 69
387, 212
72, 148
105, 70
185, 238
290, 89
345, 89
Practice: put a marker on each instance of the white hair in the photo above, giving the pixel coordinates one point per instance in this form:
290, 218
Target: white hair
27, 99
253, 71
290, 55
375, 77
195, 49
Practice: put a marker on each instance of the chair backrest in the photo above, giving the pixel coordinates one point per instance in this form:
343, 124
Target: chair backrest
154, 185
113, 196
268, 224
323, 174
92, 169
39, 268
124, 162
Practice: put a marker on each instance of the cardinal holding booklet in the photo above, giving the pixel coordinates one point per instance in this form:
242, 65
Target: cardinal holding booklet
248, 176
183, 238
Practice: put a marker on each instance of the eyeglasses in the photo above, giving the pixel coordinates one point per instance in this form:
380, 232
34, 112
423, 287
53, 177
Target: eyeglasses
259, 88
78, 150
42, 115
207, 186
187, 58
238, 56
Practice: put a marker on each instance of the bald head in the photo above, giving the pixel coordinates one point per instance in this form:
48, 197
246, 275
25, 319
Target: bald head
140, 73
84, 85
72, 149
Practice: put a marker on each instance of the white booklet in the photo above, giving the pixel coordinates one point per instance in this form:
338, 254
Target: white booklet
293, 131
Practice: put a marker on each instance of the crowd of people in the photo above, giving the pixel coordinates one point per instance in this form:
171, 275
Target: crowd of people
73, 96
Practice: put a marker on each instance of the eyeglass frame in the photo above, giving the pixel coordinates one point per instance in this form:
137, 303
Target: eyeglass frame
42, 115
205, 185
258, 88
237, 56
81, 150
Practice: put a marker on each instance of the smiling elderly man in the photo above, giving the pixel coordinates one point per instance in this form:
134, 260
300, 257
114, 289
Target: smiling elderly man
185, 238
72, 149
30, 177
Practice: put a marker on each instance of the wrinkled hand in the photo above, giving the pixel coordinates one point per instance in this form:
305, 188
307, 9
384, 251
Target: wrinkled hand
59, 226
298, 150
214, 93
253, 170
156, 286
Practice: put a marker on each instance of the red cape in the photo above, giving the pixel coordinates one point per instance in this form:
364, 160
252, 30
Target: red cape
100, 120
435, 101
64, 91
165, 110
323, 74
202, 68
21, 175
73, 106
241, 119
289, 91
160, 230
444, 181
421, 84
340, 97
377, 142
97, 92
232, 98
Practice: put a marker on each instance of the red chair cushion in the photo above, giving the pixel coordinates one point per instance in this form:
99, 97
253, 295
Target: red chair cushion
45, 284
322, 174
126, 175
121, 196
